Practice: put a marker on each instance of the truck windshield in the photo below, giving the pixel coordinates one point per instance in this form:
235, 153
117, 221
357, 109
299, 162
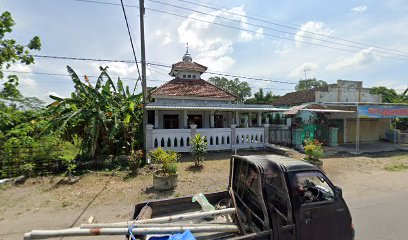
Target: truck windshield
313, 187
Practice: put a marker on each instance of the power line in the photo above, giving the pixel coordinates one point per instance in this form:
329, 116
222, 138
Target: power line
268, 28
267, 34
271, 35
163, 65
292, 28
66, 75
131, 43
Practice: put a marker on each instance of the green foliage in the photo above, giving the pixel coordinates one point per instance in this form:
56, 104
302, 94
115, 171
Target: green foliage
240, 89
305, 84
25, 151
135, 160
106, 117
261, 98
167, 159
388, 95
313, 150
11, 52
277, 119
198, 149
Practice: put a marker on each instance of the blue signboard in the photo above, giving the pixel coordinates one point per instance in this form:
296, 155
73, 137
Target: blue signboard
367, 111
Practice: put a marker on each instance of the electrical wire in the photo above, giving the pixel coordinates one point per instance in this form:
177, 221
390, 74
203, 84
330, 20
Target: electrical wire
268, 34
289, 27
131, 43
395, 52
268, 28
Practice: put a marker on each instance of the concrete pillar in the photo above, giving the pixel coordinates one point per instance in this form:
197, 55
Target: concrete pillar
149, 137
259, 119
266, 133
233, 139
212, 119
193, 128
237, 118
156, 119
185, 119
345, 130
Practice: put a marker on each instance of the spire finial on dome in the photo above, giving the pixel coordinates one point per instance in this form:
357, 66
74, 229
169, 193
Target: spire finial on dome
187, 57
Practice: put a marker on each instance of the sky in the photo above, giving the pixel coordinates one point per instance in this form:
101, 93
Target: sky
276, 40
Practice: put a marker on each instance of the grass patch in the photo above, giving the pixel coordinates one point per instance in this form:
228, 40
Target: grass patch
396, 167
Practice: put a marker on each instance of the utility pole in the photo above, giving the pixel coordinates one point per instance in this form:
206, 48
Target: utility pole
143, 62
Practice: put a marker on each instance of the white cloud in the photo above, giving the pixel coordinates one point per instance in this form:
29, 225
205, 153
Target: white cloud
213, 43
359, 9
359, 59
166, 37
20, 68
308, 32
28, 83
120, 69
300, 71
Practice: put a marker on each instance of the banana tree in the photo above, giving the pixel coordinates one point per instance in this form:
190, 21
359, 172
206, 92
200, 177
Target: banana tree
106, 117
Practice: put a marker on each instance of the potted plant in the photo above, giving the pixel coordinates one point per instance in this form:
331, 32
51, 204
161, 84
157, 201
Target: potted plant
166, 176
314, 152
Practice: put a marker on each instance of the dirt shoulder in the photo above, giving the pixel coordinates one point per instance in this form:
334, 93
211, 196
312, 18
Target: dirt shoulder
42, 204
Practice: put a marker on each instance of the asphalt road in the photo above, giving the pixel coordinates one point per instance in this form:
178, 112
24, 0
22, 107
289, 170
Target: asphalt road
384, 217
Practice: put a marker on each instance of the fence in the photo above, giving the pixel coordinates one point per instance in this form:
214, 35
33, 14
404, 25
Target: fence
40, 160
280, 135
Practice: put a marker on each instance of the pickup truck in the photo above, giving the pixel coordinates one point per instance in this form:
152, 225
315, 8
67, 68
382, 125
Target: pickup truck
275, 197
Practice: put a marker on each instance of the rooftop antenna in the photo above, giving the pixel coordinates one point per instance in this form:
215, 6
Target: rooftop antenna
187, 47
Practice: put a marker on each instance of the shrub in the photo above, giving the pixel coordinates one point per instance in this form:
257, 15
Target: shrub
135, 160
198, 149
167, 159
313, 150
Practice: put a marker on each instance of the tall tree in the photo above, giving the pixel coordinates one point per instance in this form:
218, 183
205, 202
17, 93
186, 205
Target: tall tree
106, 117
241, 89
261, 98
11, 52
305, 84
388, 95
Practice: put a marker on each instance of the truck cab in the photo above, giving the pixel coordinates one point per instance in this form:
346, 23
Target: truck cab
288, 198
274, 197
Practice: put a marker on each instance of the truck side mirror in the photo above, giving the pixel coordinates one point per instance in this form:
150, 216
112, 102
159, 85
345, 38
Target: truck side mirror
338, 193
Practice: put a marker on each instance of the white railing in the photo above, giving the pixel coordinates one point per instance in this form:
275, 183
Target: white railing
217, 138
175, 139
249, 137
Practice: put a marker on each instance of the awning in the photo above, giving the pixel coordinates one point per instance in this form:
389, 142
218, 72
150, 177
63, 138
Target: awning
327, 110
220, 107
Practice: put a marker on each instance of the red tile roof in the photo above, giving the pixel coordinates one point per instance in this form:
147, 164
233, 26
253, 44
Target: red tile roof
189, 66
191, 88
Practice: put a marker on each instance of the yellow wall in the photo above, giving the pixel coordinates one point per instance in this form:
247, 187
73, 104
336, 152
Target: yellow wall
370, 129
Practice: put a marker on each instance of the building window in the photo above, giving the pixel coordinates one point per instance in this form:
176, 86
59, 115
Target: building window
195, 119
171, 121
150, 117
189, 76
218, 121
194, 76
184, 75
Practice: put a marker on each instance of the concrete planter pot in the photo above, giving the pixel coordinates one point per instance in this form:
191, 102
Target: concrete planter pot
164, 182
318, 163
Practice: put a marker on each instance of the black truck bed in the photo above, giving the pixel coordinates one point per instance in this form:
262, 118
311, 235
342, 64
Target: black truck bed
174, 206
